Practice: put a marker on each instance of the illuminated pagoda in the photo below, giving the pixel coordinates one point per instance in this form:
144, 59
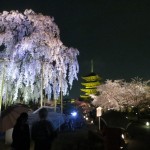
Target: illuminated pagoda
91, 81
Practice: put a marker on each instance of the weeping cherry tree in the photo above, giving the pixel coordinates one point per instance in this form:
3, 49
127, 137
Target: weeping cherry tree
36, 58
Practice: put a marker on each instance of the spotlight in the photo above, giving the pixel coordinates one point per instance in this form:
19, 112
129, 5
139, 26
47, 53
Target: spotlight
74, 113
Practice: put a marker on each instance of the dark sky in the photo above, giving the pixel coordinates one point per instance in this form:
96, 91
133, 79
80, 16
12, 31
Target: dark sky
114, 33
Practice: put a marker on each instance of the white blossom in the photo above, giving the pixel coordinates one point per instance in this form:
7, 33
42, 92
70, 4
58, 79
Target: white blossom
31, 42
118, 93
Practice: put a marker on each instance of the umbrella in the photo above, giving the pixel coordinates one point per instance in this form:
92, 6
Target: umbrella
57, 119
115, 119
9, 116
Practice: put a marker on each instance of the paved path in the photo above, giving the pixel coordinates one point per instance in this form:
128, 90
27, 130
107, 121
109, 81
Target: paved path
72, 140
81, 139
76, 140
140, 135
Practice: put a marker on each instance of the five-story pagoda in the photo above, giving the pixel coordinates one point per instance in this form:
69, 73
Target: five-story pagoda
90, 83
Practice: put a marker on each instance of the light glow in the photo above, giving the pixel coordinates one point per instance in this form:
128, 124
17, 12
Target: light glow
147, 124
122, 135
74, 114
87, 118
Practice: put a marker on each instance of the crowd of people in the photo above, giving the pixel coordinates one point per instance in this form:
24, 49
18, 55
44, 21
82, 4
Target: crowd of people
42, 133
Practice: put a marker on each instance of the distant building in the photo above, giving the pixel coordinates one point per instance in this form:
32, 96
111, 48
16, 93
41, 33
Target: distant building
89, 84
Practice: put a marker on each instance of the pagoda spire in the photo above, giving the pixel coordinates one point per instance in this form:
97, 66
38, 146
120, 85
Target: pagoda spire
91, 65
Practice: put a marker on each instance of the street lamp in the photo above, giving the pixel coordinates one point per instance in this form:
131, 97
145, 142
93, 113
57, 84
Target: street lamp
98, 114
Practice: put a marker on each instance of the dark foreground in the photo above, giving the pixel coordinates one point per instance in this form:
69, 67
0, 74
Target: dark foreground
72, 140
82, 139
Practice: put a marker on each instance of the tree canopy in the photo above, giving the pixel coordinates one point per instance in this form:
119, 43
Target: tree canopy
30, 46
119, 93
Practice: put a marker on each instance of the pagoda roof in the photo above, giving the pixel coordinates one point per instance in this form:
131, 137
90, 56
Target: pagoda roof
89, 91
91, 74
91, 84
91, 77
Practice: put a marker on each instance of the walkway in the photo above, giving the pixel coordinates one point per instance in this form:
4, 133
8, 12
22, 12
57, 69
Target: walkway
77, 140
80, 139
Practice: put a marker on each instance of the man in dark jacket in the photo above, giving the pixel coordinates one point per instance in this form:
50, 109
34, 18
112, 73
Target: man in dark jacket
42, 132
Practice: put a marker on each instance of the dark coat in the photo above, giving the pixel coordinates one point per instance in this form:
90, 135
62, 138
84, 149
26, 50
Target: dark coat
42, 134
21, 137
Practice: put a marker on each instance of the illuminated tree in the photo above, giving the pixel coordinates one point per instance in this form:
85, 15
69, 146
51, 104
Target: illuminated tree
34, 57
136, 92
117, 94
108, 95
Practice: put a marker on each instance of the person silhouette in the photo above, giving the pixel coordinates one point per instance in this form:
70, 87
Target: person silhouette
42, 132
21, 133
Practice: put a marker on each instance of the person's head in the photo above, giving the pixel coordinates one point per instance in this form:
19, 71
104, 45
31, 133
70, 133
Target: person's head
43, 113
22, 118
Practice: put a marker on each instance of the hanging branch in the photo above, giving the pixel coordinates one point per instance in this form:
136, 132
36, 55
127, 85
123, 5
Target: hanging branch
28, 38
1, 87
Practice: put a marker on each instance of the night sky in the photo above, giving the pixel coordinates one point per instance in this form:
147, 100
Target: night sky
114, 33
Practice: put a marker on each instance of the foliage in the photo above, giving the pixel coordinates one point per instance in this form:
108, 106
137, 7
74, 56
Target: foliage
30, 45
119, 93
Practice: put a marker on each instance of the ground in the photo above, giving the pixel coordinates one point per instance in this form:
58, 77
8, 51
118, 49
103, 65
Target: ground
74, 140
86, 139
